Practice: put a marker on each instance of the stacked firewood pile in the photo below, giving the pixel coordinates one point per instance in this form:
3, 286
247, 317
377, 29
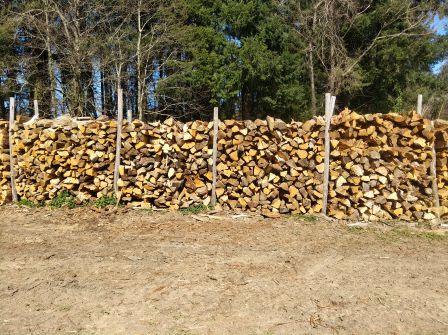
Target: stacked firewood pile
271, 165
5, 187
165, 165
64, 155
441, 145
379, 164
380, 167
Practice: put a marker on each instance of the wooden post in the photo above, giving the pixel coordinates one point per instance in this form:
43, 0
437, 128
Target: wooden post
36, 109
11, 151
330, 102
118, 143
435, 186
129, 115
433, 167
420, 104
215, 154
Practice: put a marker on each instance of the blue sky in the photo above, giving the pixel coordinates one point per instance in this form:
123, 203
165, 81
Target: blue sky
441, 26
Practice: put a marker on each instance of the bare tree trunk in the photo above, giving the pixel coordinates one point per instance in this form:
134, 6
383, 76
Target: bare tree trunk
312, 80
118, 72
77, 93
139, 64
332, 73
141, 78
50, 65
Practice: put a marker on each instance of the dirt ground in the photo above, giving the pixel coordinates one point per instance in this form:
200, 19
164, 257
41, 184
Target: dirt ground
85, 271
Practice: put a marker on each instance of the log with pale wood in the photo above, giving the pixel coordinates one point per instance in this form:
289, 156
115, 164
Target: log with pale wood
379, 166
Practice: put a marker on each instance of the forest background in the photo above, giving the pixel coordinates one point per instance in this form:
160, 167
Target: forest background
251, 58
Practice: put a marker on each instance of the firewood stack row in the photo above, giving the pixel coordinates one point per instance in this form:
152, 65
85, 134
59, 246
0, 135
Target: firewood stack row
271, 165
380, 167
379, 164
441, 145
5, 187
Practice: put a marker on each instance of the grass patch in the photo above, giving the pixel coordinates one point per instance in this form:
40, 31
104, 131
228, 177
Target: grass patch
28, 203
63, 199
106, 201
194, 209
305, 217
397, 234
146, 210
434, 236
408, 233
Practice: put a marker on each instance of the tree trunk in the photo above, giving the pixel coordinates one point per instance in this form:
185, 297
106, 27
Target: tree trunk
312, 80
140, 80
76, 94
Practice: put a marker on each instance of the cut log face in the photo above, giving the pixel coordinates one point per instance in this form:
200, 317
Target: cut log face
379, 164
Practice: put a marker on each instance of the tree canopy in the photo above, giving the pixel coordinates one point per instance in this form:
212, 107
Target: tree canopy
251, 58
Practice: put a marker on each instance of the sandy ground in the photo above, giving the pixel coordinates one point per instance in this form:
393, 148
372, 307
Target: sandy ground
138, 272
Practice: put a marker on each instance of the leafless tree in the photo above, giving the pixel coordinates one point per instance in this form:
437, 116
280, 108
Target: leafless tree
324, 26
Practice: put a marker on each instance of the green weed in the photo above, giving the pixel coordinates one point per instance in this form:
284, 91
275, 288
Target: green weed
63, 199
183, 332
408, 233
305, 217
106, 201
194, 209
27, 203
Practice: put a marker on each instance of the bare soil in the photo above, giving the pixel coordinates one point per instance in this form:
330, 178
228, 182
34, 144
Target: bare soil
85, 271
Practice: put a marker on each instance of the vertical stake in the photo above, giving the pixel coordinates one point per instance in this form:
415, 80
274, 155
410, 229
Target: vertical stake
330, 102
129, 115
433, 167
420, 104
36, 109
118, 143
433, 171
11, 151
215, 154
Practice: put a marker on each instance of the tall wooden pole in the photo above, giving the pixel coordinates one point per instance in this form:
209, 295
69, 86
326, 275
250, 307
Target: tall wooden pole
433, 167
420, 104
36, 109
11, 151
118, 143
214, 154
435, 186
330, 102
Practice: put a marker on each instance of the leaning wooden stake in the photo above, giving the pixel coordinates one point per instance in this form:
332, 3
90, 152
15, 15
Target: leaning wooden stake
36, 109
11, 152
118, 143
420, 104
435, 186
215, 154
433, 167
330, 102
